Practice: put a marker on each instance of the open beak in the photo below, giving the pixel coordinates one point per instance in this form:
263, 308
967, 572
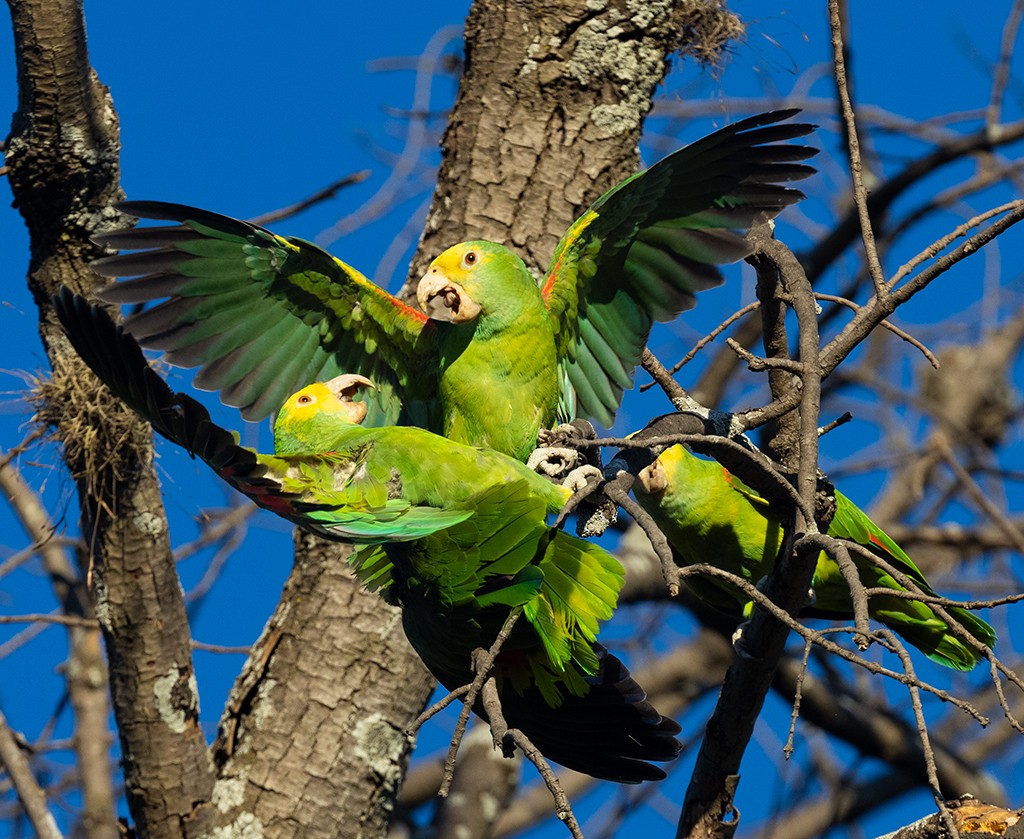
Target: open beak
443, 299
345, 387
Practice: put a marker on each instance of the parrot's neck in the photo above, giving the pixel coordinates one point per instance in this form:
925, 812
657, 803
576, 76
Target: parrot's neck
321, 432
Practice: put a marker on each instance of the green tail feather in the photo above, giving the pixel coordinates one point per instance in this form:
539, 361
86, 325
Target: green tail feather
913, 620
916, 623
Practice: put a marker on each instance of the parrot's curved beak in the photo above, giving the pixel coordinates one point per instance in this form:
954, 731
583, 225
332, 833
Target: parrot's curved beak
653, 478
344, 387
436, 293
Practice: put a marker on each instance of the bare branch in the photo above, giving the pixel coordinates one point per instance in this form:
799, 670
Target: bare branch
31, 795
860, 195
325, 194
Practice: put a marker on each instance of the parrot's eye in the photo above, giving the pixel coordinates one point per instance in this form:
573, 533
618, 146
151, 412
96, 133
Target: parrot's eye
304, 400
469, 258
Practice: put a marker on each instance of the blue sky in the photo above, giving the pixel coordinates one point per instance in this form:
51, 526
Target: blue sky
245, 112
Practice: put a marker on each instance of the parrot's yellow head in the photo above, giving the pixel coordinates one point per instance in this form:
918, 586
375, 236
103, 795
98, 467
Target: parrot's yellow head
471, 279
332, 398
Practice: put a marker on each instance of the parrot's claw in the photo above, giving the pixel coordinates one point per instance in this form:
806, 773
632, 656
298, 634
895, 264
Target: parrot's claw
554, 461
582, 475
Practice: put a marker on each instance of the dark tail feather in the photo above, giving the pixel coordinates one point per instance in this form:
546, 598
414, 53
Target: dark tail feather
610, 733
117, 359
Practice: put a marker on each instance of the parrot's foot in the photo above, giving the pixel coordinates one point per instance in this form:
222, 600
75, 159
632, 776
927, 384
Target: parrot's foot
554, 461
566, 434
581, 476
571, 436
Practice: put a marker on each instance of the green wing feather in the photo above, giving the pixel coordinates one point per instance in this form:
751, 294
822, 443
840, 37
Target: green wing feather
262, 315
645, 247
327, 493
506, 555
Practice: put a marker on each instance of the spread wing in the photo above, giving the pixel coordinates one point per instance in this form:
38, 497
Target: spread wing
262, 315
645, 247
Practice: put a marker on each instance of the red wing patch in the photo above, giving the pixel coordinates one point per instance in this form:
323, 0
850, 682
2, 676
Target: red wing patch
874, 540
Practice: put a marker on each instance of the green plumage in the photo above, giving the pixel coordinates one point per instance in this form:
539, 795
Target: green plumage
709, 515
262, 315
456, 534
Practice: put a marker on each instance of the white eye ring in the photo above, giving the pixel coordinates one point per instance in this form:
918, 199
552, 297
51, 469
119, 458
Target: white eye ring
305, 399
469, 259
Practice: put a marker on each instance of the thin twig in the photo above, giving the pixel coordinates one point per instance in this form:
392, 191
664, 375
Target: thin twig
676, 395
968, 248
483, 669
220, 648
52, 617
669, 569
977, 494
858, 594
922, 730
707, 339
945, 241
759, 364
1001, 74
838, 421
562, 808
818, 636
436, 708
573, 502
324, 194
29, 633
885, 324
1001, 694
797, 699
860, 194
508, 739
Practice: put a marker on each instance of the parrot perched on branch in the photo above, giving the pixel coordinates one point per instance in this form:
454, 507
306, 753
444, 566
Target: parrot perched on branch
709, 515
261, 315
456, 535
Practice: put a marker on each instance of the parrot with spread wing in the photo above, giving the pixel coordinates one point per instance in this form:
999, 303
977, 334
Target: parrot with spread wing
261, 315
456, 535
709, 515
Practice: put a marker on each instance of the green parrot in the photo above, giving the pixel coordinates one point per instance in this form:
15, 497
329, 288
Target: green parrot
710, 515
456, 535
261, 315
